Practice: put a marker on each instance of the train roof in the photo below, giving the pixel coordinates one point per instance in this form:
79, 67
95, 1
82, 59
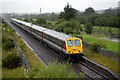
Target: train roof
53, 33
39, 28
57, 35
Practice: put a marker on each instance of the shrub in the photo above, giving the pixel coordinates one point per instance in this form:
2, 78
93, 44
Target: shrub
40, 21
88, 28
8, 44
11, 61
3, 38
95, 46
26, 20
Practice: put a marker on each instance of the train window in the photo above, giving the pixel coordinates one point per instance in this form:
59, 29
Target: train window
70, 43
77, 42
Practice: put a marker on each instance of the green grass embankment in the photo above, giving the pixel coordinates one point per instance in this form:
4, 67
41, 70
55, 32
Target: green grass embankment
10, 73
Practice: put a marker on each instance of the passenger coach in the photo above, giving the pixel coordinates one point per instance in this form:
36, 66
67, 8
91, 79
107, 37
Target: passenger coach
67, 46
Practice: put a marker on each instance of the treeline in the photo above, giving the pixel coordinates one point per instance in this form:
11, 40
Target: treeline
109, 17
69, 20
47, 16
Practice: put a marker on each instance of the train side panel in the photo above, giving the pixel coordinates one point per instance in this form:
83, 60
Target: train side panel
55, 40
56, 44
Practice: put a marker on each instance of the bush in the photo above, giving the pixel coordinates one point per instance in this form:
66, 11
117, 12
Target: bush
88, 28
26, 20
8, 44
11, 61
40, 21
95, 46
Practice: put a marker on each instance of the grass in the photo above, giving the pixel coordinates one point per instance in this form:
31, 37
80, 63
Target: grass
103, 60
106, 29
113, 46
13, 73
55, 70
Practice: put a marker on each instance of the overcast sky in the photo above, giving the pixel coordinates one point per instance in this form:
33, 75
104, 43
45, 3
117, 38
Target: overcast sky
33, 6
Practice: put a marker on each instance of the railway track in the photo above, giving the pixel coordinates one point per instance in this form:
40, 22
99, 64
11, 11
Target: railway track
94, 70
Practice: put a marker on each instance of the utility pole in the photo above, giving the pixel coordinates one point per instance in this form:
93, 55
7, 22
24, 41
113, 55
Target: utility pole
40, 11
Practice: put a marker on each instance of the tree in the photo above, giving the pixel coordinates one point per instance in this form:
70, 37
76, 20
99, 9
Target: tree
89, 11
72, 26
54, 16
26, 20
60, 25
40, 21
110, 31
83, 19
69, 13
88, 28
68, 27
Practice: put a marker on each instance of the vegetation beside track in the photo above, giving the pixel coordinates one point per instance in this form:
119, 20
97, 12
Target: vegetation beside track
6, 72
54, 70
37, 69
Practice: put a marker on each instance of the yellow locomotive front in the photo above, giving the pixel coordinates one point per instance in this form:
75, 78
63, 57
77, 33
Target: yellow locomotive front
74, 47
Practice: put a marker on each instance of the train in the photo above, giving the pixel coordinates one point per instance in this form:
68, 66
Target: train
68, 47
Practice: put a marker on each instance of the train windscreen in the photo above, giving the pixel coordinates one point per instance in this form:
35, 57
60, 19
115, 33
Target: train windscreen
70, 42
77, 42
73, 43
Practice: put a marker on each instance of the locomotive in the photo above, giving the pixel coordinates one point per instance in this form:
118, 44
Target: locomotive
65, 45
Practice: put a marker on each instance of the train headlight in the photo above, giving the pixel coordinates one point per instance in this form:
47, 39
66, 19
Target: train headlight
74, 48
